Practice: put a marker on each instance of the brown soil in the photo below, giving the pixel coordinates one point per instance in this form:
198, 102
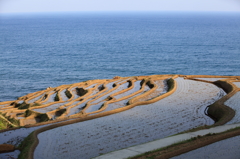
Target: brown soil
195, 143
6, 148
222, 117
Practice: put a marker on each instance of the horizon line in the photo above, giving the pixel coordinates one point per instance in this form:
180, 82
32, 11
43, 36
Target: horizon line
122, 11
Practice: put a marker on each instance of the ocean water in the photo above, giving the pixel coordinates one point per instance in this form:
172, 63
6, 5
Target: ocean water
42, 50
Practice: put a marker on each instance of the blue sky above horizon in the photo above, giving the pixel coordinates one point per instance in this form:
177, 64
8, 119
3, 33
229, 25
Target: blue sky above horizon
39, 6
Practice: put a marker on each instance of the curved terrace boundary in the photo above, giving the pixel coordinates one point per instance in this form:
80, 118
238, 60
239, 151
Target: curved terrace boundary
218, 111
160, 118
29, 149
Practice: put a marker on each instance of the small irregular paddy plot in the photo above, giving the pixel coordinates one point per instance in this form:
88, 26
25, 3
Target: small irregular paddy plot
182, 110
136, 88
237, 84
228, 148
67, 100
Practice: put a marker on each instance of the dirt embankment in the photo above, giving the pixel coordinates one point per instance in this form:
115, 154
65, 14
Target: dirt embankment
188, 145
218, 111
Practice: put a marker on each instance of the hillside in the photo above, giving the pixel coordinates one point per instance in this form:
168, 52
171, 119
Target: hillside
96, 117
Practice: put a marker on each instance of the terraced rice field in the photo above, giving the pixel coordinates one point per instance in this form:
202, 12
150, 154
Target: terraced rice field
211, 79
237, 84
10, 155
15, 137
124, 111
181, 111
162, 88
228, 148
76, 100
234, 103
61, 101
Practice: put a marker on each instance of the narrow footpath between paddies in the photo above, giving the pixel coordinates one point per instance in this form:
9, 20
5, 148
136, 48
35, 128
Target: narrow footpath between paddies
161, 143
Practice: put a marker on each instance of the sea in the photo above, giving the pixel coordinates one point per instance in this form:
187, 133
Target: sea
50, 49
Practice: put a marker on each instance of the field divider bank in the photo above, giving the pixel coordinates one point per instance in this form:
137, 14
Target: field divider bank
146, 148
29, 147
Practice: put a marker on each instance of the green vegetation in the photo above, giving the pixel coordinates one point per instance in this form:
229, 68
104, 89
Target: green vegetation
150, 85
170, 83
25, 146
56, 98
216, 111
170, 146
68, 93
141, 83
42, 117
233, 129
28, 113
101, 87
84, 106
36, 104
81, 91
109, 98
182, 142
164, 148
13, 121
3, 124
225, 86
7, 122
220, 113
38, 116
23, 105
101, 106
60, 112
45, 96
129, 83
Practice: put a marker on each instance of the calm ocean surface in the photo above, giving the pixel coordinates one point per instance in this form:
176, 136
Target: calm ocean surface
38, 51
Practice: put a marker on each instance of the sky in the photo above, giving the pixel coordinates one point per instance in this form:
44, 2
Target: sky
36, 6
